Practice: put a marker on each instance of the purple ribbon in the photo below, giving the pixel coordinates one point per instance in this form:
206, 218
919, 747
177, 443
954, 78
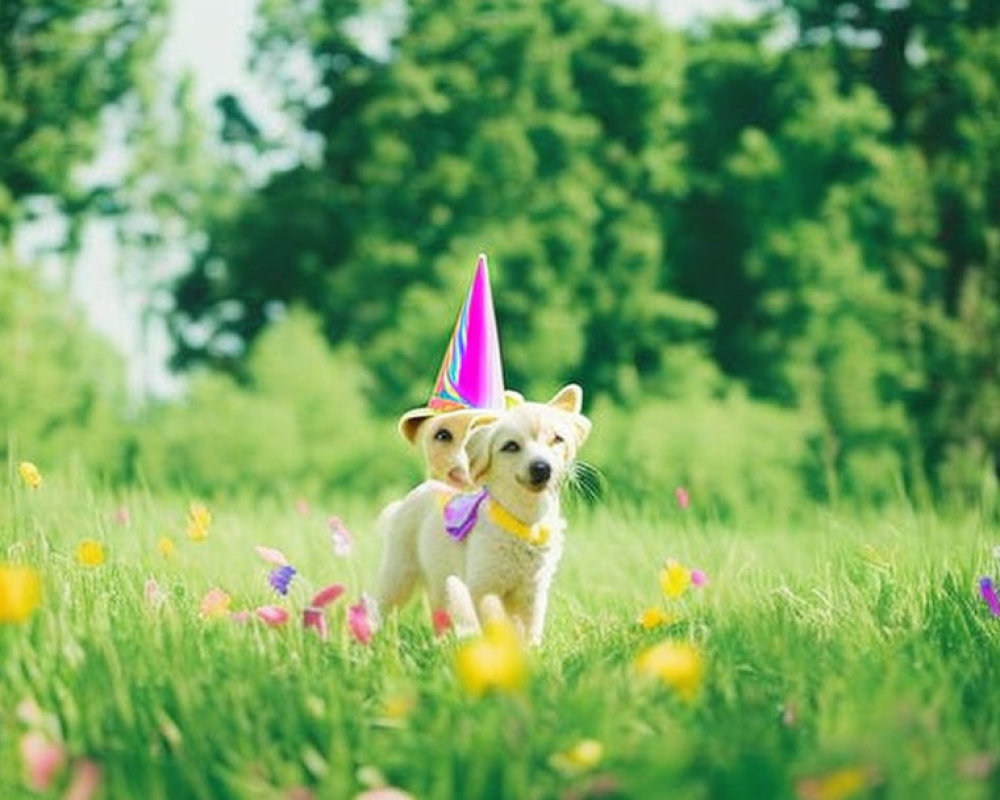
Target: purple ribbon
461, 513
990, 595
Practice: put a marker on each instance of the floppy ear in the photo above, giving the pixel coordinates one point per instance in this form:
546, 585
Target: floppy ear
477, 447
409, 424
569, 398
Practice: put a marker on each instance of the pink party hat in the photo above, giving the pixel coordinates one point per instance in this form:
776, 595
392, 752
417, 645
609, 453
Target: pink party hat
471, 374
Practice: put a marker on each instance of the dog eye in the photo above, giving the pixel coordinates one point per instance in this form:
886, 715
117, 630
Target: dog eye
443, 435
557, 439
510, 447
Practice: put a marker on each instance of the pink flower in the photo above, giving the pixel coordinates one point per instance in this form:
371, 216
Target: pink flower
272, 555
240, 617
682, 497
43, 759
315, 618
340, 538
302, 506
358, 623
215, 603
86, 779
273, 615
442, 621
327, 595
699, 578
153, 594
122, 515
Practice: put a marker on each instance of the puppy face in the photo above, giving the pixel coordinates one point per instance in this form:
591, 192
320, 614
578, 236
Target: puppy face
441, 440
531, 448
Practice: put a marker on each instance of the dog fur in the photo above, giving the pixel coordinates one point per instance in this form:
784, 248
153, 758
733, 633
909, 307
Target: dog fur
522, 459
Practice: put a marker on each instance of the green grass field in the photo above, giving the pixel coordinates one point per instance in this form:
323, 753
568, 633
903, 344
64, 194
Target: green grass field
838, 647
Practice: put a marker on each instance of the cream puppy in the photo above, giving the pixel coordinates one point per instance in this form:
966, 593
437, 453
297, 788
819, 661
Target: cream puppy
440, 438
503, 541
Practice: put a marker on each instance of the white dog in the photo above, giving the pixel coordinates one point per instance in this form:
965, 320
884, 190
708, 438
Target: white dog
503, 541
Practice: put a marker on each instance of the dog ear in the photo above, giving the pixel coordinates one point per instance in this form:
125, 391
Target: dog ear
409, 425
478, 448
569, 398
581, 428
512, 399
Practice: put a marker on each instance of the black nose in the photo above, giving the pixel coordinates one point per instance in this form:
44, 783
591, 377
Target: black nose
539, 471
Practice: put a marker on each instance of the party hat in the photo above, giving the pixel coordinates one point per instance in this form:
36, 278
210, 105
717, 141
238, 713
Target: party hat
471, 375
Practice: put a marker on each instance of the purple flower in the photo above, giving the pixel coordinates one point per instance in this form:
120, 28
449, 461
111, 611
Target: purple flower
281, 577
990, 595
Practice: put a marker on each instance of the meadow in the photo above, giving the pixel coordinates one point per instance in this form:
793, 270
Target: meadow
842, 656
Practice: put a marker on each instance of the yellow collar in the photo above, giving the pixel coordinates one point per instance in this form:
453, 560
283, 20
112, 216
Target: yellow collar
537, 534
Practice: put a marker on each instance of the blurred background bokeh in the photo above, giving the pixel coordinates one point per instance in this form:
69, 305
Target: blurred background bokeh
764, 236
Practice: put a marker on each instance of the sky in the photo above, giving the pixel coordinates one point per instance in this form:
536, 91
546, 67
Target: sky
211, 39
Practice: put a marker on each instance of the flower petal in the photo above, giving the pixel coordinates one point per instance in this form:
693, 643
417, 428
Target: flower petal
327, 595
272, 555
43, 759
273, 615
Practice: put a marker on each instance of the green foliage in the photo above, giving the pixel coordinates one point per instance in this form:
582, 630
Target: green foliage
62, 391
61, 66
298, 422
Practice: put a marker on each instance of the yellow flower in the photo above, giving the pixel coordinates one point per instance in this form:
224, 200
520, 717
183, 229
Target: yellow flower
199, 518
30, 474
90, 553
838, 785
20, 592
654, 617
582, 756
496, 660
215, 603
678, 665
674, 579
166, 546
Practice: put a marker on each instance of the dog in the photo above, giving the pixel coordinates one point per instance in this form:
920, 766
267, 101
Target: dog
440, 437
502, 543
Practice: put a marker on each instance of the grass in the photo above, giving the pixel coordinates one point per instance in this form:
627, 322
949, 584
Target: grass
844, 643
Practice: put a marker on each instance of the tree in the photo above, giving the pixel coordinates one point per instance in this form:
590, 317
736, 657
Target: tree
61, 66
470, 135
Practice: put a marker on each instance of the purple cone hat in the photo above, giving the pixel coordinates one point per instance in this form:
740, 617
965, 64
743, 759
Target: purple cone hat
471, 374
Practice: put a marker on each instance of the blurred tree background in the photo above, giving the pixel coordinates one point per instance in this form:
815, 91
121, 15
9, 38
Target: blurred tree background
769, 249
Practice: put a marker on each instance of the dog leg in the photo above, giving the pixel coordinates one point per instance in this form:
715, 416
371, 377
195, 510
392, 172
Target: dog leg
461, 609
399, 571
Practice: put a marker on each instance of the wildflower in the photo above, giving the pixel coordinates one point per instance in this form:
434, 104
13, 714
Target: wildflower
654, 617
166, 546
85, 781
241, 617
20, 592
315, 616
682, 497
582, 756
90, 553
990, 596
199, 519
674, 579
699, 578
122, 517
153, 594
270, 554
358, 622
496, 660
281, 578
215, 603
43, 759
441, 620
340, 538
678, 665
272, 615
836, 785
30, 474
302, 506
397, 705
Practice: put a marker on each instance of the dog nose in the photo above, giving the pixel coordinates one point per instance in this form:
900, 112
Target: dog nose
539, 471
